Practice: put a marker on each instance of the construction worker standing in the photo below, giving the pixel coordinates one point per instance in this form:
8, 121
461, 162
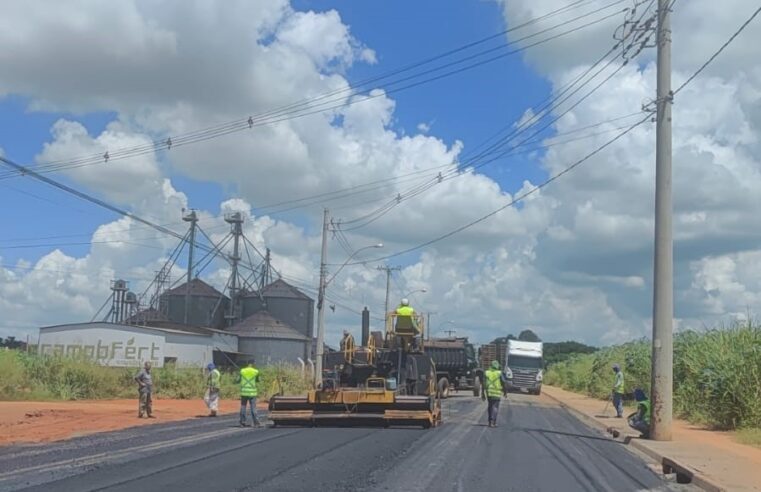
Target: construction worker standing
212, 389
492, 390
145, 390
618, 391
249, 377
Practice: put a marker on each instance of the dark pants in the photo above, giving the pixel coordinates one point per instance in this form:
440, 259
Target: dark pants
144, 406
618, 403
244, 401
493, 409
640, 425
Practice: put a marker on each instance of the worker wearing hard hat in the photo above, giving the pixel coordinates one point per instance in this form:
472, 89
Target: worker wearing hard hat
407, 313
492, 389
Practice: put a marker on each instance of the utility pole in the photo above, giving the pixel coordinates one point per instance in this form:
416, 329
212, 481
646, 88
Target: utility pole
663, 280
193, 219
428, 325
321, 301
388, 271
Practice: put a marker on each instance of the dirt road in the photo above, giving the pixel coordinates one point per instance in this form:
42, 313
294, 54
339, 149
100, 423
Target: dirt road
34, 421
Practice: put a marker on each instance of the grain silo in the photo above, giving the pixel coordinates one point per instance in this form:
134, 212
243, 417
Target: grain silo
285, 303
269, 340
207, 305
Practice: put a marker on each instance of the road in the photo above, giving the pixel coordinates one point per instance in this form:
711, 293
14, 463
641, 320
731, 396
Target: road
538, 446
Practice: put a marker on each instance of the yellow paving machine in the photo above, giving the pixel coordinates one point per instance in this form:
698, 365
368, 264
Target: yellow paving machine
390, 381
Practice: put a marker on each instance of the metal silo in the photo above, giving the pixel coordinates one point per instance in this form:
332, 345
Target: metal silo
206, 308
285, 303
269, 340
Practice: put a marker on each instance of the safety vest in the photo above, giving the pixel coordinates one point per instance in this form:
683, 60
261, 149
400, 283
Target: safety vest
405, 311
214, 377
619, 386
248, 381
645, 404
493, 383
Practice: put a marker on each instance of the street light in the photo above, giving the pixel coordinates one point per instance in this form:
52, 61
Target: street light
321, 304
415, 291
450, 322
379, 245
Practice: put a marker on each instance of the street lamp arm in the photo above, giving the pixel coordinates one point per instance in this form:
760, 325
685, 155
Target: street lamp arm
379, 245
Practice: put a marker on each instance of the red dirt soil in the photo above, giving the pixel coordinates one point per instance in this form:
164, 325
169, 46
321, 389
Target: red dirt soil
35, 421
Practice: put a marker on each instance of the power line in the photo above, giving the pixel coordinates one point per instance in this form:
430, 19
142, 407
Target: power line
718, 52
552, 102
515, 199
240, 125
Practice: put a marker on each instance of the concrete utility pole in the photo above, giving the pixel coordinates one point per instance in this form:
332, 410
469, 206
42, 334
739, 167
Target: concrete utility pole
663, 288
193, 219
388, 271
320, 301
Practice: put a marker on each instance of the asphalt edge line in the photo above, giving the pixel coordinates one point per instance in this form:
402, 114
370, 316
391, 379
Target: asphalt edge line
696, 478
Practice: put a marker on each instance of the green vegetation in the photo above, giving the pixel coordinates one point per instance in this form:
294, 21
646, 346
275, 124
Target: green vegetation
752, 437
34, 377
555, 352
717, 374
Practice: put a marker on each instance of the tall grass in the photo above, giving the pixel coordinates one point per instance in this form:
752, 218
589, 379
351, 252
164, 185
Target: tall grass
33, 377
717, 374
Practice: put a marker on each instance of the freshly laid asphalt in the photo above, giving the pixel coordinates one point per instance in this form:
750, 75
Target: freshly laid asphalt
538, 446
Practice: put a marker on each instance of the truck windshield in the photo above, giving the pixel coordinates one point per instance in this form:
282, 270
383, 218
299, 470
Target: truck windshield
524, 362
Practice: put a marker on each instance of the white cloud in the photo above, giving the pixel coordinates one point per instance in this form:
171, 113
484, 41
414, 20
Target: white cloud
573, 261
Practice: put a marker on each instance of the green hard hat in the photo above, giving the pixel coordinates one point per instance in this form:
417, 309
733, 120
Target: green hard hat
495, 364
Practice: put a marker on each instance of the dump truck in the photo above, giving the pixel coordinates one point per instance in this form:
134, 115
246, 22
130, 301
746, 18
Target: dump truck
456, 365
524, 368
390, 384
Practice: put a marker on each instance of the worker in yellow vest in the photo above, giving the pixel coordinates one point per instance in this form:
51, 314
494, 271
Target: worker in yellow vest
492, 389
249, 377
405, 314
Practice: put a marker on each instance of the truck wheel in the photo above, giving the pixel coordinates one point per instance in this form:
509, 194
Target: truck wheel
538, 392
477, 387
443, 388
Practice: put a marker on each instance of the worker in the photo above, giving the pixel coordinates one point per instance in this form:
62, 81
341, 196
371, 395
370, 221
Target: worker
346, 341
640, 420
145, 390
405, 321
212, 389
405, 309
618, 391
492, 389
249, 377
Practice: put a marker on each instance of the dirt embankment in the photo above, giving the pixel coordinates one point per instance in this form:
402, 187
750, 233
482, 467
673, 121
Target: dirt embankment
34, 421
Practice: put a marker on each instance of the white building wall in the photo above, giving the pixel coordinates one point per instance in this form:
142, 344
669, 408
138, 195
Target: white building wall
129, 346
123, 347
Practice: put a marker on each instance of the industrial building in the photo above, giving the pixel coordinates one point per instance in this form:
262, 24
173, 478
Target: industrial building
193, 323
122, 345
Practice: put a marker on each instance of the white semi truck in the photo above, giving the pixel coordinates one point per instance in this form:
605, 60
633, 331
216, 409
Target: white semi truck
524, 366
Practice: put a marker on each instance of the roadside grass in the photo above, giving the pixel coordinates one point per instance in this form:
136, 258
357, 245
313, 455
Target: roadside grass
752, 437
34, 377
717, 374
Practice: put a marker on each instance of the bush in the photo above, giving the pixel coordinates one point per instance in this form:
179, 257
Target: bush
717, 374
35, 377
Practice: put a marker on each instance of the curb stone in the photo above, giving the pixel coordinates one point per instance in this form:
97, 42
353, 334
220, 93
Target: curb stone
669, 465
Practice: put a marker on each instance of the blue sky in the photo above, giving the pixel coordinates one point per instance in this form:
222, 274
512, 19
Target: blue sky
469, 107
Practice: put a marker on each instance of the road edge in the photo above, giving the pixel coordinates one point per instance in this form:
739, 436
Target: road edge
668, 464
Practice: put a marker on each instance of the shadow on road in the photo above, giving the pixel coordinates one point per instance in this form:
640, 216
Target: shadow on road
570, 434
